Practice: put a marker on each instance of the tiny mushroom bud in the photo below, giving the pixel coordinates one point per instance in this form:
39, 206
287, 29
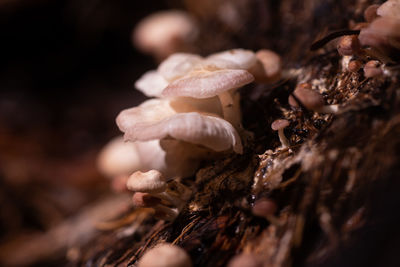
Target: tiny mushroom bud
165, 32
147, 182
206, 84
348, 45
372, 69
354, 65
279, 125
165, 255
370, 13
311, 100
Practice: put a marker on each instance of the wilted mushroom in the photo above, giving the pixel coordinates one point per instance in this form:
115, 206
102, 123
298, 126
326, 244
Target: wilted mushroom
165, 255
310, 99
280, 125
164, 33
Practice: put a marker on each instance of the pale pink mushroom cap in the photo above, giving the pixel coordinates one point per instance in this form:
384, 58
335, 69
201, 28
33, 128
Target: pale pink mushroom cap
205, 84
389, 8
151, 84
165, 255
147, 182
233, 59
120, 158
165, 32
178, 65
209, 131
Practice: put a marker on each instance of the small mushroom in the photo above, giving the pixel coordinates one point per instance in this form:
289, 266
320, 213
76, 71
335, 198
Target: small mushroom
147, 182
233, 59
165, 199
348, 45
372, 69
119, 158
165, 255
268, 66
206, 84
280, 125
310, 99
383, 35
164, 33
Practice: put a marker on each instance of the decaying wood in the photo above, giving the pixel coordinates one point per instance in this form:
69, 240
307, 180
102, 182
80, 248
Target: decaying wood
335, 186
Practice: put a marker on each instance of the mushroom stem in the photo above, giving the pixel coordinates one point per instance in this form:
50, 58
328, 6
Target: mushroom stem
283, 139
229, 109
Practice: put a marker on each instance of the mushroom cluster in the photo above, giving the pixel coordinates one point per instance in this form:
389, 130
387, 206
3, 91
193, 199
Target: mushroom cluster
379, 39
194, 115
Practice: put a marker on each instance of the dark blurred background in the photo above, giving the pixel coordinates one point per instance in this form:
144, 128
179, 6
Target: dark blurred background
67, 68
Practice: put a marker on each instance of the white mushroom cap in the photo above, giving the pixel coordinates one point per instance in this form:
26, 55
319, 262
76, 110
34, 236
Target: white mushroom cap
178, 65
165, 255
155, 110
268, 66
233, 59
212, 132
389, 8
205, 84
151, 84
148, 112
165, 32
118, 158
147, 182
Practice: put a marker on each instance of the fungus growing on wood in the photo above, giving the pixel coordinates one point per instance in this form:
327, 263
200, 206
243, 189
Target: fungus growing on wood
118, 159
280, 125
206, 84
268, 67
164, 33
147, 182
165, 255
372, 69
382, 34
348, 45
310, 99
354, 65
152, 190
